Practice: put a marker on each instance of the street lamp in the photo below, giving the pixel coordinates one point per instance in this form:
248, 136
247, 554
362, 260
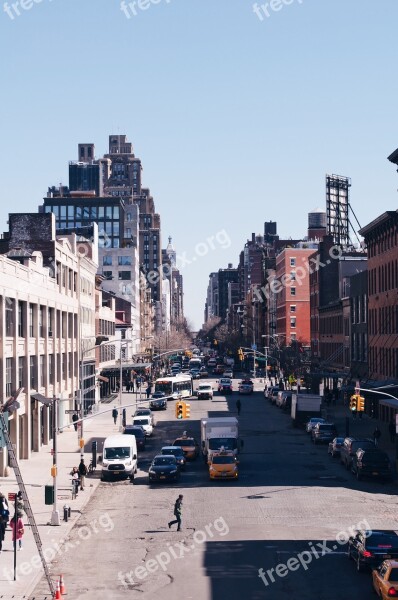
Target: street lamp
98, 341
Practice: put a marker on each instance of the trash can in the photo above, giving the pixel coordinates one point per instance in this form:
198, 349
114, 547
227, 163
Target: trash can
94, 454
48, 494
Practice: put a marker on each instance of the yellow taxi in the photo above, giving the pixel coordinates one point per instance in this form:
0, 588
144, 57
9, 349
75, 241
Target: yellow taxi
189, 446
223, 465
385, 579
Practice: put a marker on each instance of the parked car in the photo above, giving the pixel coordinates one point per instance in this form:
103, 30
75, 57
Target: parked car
146, 424
158, 404
371, 462
369, 548
139, 434
323, 432
178, 452
225, 385
350, 446
335, 446
246, 386
268, 391
385, 579
164, 468
312, 422
287, 402
280, 398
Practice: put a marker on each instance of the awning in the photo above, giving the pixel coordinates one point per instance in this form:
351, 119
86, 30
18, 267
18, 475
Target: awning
42, 399
102, 378
389, 402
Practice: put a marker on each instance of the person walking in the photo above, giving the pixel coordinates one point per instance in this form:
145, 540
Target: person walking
376, 436
82, 473
75, 418
238, 405
177, 513
127, 386
20, 505
18, 530
115, 414
75, 479
392, 431
3, 526
4, 508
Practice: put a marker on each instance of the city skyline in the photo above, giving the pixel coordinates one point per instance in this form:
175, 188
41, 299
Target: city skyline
232, 132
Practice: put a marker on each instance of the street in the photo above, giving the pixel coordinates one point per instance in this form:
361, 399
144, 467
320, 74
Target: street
289, 514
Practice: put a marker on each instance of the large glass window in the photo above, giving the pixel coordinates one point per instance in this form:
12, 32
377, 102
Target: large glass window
41, 321
71, 212
107, 260
79, 212
31, 320
108, 212
42, 371
101, 212
62, 212
32, 364
124, 260
21, 324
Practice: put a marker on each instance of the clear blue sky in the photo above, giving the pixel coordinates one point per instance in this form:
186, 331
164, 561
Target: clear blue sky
236, 119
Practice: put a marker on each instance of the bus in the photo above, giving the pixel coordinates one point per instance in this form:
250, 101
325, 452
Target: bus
178, 386
195, 363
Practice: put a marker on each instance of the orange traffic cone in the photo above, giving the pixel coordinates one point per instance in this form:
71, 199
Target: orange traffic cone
62, 584
58, 595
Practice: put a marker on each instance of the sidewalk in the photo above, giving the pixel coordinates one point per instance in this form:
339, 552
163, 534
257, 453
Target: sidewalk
36, 474
360, 427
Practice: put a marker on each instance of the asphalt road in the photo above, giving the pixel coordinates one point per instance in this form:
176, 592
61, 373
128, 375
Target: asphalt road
288, 514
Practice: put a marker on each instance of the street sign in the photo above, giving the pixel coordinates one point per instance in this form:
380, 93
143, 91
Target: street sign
70, 411
254, 346
11, 496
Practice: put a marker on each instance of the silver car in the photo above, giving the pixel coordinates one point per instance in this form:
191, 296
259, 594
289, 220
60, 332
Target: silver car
312, 422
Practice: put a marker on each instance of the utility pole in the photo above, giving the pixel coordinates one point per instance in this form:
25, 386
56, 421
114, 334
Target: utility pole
55, 514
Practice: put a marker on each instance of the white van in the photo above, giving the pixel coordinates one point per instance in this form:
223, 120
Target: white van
119, 457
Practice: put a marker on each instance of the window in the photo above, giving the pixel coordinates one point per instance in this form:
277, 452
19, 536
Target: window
51, 370
293, 276
21, 372
124, 260
8, 376
32, 364
128, 232
123, 334
292, 308
21, 328
292, 262
292, 291
107, 260
31, 326
107, 274
293, 337
41, 321
50, 322
293, 322
124, 275
42, 371
9, 302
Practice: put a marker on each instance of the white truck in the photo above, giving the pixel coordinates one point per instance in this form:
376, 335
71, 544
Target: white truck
217, 433
205, 391
305, 406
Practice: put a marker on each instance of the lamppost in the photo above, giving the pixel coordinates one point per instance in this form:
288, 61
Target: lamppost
98, 341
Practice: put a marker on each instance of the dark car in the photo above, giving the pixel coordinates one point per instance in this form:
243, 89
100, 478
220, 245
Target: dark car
178, 452
323, 433
371, 463
335, 446
350, 446
157, 395
225, 385
164, 467
158, 404
203, 372
369, 548
139, 434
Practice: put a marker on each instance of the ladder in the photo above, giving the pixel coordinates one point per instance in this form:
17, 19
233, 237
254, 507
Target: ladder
28, 508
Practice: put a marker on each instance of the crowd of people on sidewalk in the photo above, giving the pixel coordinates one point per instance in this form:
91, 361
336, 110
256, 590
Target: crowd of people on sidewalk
16, 522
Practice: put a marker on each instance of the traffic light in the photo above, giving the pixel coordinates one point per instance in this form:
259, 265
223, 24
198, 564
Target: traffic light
186, 410
361, 404
180, 410
353, 403
240, 354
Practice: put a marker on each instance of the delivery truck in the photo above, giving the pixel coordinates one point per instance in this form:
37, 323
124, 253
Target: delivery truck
217, 433
305, 406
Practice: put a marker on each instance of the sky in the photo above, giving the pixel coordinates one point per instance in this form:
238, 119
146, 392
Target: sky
236, 110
